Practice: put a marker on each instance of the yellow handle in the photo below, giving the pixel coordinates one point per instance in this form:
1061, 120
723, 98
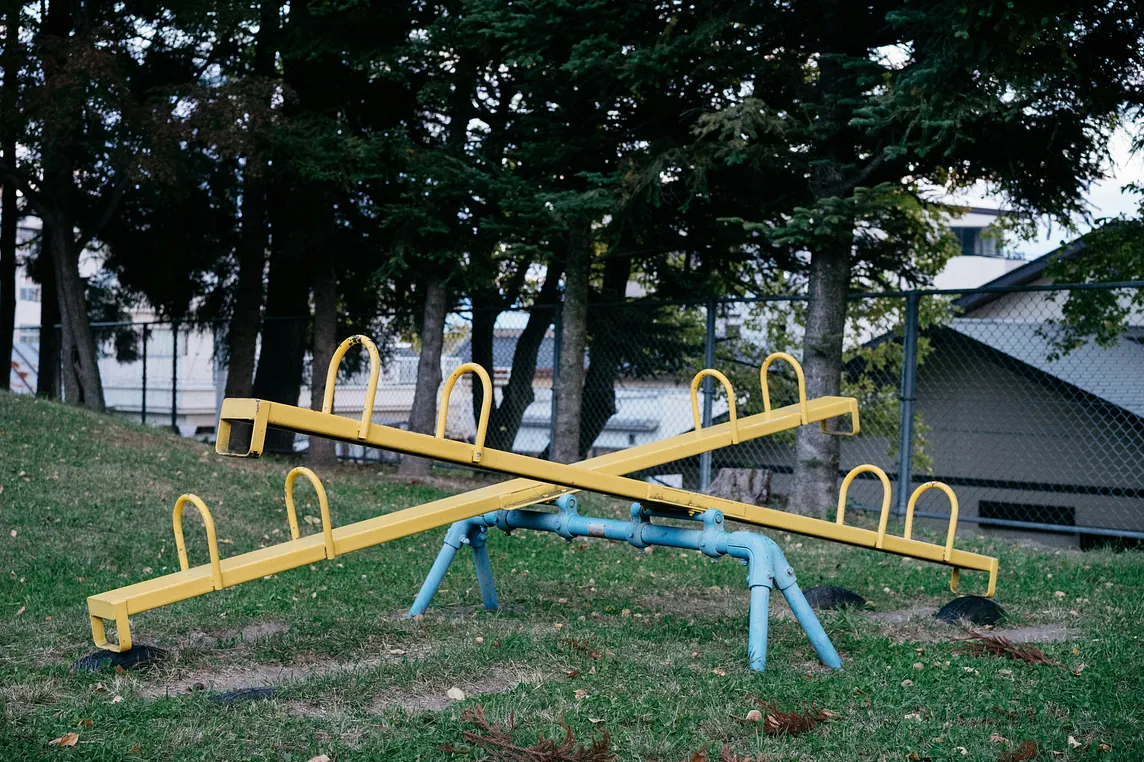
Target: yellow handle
951, 533
486, 404
323, 503
212, 539
371, 387
885, 517
730, 400
801, 384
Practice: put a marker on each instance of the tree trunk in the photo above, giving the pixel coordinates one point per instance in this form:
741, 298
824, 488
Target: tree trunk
573, 338
81, 357
8, 210
605, 354
323, 452
486, 309
281, 361
423, 416
82, 385
7, 272
518, 393
817, 454
48, 374
242, 333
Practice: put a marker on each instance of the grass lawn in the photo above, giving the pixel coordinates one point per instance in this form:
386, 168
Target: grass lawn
649, 647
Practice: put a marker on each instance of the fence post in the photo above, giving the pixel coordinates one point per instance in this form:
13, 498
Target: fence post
557, 320
174, 376
908, 394
708, 394
143, 405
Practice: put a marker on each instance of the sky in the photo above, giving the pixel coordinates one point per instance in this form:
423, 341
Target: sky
1105, 198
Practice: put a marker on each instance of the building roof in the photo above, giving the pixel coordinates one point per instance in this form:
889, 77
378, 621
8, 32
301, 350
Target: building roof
1118, 367
1031, 271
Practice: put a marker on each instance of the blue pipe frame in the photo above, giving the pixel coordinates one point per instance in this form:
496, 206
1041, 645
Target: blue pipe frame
767, 567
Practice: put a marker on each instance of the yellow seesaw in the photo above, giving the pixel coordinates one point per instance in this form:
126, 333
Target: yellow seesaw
119, 604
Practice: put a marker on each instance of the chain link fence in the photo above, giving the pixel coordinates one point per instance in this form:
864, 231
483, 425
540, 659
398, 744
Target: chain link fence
1037, 426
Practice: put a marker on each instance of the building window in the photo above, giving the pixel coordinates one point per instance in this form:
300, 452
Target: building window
631, 439
30, 294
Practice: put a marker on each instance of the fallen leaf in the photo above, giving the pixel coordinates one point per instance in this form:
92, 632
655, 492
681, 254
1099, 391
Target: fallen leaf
86, 723
595, 720
13, 533
907, 683
135, 749
754, 715
1073, 743
1079, 668
67, 739
319, 758
1103, 746
397, 651
455, 693
99, 688
116, 699
581, 694
20, 611
312, 520
626, 612
573, 672
719, 672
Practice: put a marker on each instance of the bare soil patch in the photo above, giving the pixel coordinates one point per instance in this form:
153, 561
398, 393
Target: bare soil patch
264, 675
433, 697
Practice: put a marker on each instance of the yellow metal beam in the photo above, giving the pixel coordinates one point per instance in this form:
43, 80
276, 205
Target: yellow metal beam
119, 604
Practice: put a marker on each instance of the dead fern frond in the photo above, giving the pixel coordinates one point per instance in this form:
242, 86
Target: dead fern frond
992, 644
498, 742
582, 646
777, 722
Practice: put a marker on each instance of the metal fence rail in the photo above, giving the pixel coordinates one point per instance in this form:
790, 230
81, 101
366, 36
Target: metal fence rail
1040, 429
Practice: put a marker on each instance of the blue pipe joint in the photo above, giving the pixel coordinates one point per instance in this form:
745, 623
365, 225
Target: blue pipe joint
500, 521
635, 528
784, 572
567, 511
477, 536
458, 534
712, 533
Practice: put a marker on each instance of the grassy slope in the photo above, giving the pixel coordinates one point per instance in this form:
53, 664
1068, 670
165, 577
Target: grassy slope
85, 507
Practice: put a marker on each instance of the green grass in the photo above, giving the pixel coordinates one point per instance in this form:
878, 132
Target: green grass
86, 504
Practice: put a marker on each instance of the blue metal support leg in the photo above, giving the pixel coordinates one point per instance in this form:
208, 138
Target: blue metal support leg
454, 539
784, 579
478, 541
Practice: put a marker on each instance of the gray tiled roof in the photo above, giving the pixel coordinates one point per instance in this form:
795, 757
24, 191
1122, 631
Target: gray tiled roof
1115, 374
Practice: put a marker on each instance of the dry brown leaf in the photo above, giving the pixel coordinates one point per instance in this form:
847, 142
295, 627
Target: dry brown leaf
581, 694
86, 723
135, 749
719, 672
67, 739
319, 758
20, 611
